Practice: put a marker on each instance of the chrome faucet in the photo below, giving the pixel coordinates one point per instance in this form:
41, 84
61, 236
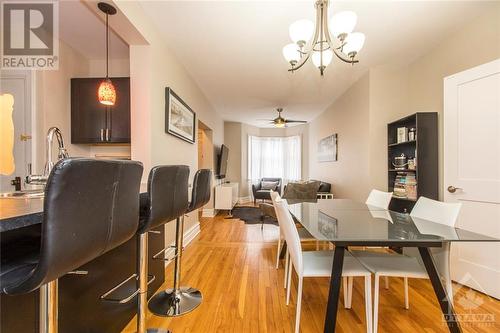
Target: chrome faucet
49, 164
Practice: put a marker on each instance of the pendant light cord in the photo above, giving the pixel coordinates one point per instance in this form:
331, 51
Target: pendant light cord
107, 42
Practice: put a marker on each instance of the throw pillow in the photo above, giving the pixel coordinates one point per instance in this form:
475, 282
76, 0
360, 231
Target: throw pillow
268, 185
303, 190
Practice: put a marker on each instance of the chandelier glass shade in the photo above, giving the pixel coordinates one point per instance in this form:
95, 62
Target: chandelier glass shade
323, 40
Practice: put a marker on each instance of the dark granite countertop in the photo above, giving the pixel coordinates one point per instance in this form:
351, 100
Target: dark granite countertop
18, 213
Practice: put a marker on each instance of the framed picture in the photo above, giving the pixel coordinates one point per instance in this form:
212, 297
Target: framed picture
327, 225
180, 119
327, 149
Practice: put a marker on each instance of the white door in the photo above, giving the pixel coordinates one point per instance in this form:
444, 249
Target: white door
15, 127
472, 165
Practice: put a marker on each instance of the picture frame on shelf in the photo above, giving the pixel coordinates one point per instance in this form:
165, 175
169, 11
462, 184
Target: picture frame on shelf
180, 119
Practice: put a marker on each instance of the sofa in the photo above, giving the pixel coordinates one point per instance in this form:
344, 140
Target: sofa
263, 193
322, 192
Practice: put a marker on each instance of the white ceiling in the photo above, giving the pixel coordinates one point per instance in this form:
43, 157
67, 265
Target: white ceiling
233, 48
84, 31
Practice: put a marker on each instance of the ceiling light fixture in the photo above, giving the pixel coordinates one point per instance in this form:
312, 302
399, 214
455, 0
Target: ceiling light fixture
324, 40
107, 92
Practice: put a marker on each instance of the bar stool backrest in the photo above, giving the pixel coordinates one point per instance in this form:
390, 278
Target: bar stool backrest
90, 207
202, 186
167, 196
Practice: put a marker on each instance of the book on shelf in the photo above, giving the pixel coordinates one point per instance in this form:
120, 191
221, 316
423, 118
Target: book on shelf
405, 185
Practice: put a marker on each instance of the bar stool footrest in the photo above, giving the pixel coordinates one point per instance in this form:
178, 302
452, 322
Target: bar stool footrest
107, 295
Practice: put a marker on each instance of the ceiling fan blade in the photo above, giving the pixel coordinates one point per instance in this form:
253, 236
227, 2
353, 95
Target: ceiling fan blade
295, 121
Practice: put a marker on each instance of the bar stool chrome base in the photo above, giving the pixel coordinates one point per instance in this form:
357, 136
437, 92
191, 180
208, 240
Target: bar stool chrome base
173, 303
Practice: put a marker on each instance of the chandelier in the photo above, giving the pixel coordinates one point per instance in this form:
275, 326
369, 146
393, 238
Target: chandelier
323, 40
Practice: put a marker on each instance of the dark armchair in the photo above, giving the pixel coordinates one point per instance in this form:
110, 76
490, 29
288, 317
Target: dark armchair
262, 192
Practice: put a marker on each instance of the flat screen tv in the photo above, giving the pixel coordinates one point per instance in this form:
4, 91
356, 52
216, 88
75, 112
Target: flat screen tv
222, 162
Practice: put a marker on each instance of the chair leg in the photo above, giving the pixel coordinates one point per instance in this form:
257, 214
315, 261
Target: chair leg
287, 264
350, 281
278, 252
49, 307
346, 297
299, 303
142, 268
375, 303
288, 285
178, 300
449, 290
407, 301
368, 303
386, 282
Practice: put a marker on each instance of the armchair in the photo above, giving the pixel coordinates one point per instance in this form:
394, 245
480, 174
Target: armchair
263, 193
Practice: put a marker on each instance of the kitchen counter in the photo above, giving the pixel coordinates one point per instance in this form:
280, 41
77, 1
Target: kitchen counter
79, 296
18, 213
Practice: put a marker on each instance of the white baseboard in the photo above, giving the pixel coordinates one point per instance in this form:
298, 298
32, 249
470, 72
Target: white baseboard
244, 199
189, 236
209, 212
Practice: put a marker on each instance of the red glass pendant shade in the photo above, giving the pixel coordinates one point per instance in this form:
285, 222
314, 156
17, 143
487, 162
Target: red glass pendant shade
107, 92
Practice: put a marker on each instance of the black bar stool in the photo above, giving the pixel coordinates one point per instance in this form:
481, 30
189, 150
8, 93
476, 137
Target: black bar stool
166, 200
91, 206
180, 300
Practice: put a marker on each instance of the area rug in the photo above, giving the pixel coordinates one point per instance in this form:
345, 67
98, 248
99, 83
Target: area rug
252, 215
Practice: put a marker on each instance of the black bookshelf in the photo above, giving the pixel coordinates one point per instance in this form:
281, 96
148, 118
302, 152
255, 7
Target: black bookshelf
425, 148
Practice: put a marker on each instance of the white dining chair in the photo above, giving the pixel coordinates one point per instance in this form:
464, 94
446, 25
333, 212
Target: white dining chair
317, 264
409, 264
379, 199
304, 236
376, 199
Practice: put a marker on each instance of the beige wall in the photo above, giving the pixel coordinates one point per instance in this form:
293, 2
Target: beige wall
349, 118
53, 102
476, 43
53, 106
390, 93
153, 67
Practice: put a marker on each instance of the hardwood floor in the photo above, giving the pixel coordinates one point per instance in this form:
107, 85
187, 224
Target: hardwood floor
233, 265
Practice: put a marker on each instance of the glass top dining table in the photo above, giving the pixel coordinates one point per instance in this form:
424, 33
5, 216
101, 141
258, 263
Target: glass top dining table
349, 223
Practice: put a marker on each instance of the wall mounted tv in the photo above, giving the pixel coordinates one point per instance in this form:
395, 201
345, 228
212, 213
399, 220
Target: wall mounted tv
222, 162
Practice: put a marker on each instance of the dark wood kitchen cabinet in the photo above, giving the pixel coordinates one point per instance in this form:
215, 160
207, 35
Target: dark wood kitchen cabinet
90, 119
80, 308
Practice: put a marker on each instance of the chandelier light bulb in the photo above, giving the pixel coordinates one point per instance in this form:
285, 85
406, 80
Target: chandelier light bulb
343, 23
354, 44
291, 53
327, 58
301, 31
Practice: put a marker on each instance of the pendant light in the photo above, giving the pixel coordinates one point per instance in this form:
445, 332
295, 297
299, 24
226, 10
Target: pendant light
107, 92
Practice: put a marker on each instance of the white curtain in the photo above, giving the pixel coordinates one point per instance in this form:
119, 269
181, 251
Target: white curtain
274, 157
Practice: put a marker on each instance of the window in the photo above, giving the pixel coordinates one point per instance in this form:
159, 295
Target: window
274, 157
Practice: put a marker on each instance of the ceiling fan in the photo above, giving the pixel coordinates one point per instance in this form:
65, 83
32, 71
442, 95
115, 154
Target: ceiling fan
280, 122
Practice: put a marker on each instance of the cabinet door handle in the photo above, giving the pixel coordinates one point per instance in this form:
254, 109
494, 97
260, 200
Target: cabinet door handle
25, 137
102, 134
